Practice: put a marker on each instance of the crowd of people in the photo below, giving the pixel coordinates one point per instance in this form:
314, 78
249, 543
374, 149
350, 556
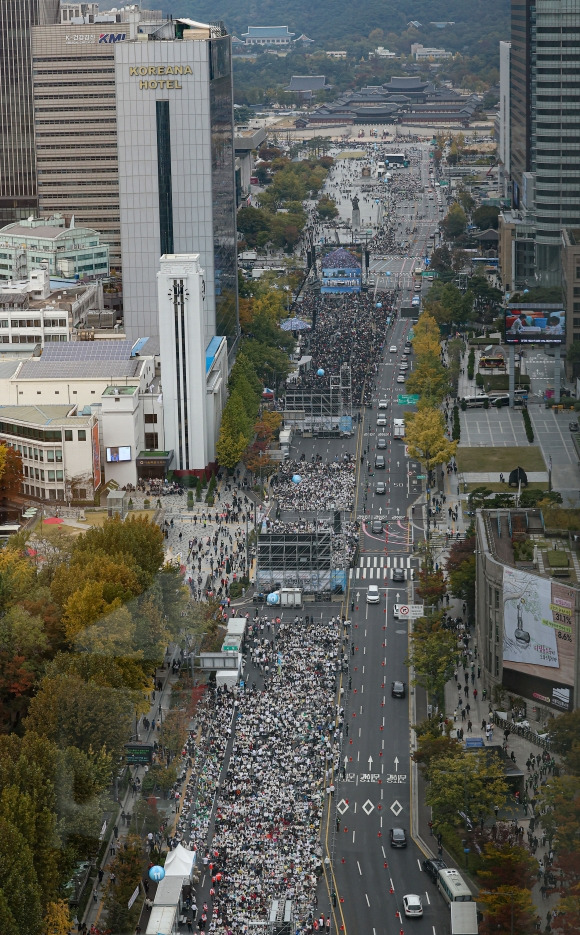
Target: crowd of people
310, 486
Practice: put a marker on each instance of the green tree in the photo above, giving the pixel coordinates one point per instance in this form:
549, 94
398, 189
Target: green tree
486, 216
472, 782
138, 537
71, 712
432, 656
455, 223
128, 868
326, 208
20, 896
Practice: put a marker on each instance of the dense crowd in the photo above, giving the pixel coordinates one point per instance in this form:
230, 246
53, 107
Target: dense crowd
322, 485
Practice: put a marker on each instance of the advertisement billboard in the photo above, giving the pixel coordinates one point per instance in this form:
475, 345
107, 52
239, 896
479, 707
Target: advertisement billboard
120, 453
539, 641
535, 325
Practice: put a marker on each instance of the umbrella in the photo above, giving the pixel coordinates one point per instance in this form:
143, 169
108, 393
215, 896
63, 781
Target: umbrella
294, 324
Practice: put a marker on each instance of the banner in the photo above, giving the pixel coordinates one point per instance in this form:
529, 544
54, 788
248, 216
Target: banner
539, 643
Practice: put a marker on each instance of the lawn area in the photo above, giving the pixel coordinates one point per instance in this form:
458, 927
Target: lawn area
484, 460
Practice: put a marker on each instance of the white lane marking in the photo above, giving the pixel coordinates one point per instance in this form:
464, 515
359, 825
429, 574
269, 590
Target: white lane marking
367, 899
353, 835
427, 898
359, 869
383, 850
419, 863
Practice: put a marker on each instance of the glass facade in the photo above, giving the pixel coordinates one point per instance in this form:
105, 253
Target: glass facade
223, 190
521, 61
17, 149
164, 177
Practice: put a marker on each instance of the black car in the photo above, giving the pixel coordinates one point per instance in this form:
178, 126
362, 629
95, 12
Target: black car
381, 442
398, 837
433, 866
377, 527
398, 574
398, 689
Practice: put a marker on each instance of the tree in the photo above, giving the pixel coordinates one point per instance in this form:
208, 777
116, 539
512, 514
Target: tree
425, 435
432, 745
508, 909
429, 380
10, 472
326, 208
137, 536
506, 864
471, 782
128, 868
486, 216
57, 919
461, 572
455, 223
440, 260
19, 891
81, 714
17, 576
119, 579
432, 656
448, 304
431, 585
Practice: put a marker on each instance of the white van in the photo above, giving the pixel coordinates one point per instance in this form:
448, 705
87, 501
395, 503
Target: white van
476, 402
373, 594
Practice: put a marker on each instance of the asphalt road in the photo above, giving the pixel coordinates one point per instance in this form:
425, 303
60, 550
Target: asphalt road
373, 793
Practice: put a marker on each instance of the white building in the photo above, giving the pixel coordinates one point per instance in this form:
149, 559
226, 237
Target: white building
176, 170
194, 370
420, 53
36, 311
60, 450
381, 52
65, 251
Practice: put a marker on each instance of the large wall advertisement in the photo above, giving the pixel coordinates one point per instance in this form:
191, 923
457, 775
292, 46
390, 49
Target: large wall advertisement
535, 326
539, 643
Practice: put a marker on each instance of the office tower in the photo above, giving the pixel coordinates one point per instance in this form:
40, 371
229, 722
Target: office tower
504, 151
176, 170
545, 155
75, 116
17, 163
194, 372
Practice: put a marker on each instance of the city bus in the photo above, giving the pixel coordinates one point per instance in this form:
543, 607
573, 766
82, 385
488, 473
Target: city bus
453, 887
492, 363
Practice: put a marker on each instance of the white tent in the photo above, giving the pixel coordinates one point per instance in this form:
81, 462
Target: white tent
179, 862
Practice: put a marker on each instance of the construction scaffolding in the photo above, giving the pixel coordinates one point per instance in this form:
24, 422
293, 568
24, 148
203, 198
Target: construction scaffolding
294, 560
280, 919
322, 409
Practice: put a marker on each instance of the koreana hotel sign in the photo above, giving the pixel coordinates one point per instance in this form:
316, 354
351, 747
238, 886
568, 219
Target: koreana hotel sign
156, 76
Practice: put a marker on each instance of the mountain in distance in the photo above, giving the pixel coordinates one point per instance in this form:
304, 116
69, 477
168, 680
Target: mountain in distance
344, 20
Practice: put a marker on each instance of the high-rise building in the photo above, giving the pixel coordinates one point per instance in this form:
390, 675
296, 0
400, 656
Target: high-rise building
544, 135
194, 371
504, 149
176, 170
75, 115
17, 157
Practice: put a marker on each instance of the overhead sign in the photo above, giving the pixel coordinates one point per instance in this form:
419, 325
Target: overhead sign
138, 752
416, 611
405, 400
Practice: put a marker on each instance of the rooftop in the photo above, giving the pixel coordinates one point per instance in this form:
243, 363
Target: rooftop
45, 232
115, 390
41, 415
268, 32
307, 83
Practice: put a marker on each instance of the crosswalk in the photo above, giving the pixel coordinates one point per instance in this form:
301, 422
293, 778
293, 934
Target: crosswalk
377, 566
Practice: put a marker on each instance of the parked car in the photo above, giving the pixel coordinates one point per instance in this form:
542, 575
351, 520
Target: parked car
432, 866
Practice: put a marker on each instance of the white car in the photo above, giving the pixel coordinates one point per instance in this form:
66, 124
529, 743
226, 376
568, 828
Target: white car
383, 403
401, 378
412, 905
393, 349
381, 421
373, 595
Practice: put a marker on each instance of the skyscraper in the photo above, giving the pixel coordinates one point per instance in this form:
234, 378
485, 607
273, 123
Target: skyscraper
18, 196
544, 134
176, 170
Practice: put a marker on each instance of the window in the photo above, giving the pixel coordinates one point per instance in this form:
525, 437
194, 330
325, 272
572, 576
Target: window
58, 454
497, 666
496, 599
51, 476
151, 441
50, 454
150, 417
82, 435
68, 435
60, 475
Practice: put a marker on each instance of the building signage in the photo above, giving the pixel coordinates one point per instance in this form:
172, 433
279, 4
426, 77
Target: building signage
85, 37
110, 37
156, 72
138, 752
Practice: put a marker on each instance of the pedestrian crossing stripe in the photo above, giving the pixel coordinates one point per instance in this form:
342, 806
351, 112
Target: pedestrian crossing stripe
388, 561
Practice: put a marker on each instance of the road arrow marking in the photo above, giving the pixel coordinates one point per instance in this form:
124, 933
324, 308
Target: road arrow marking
396, 764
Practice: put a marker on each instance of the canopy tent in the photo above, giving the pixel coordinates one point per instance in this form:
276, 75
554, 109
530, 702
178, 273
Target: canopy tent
179, 862
294, 324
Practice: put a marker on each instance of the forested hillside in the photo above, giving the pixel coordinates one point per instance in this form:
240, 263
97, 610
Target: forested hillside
476, 21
